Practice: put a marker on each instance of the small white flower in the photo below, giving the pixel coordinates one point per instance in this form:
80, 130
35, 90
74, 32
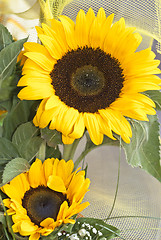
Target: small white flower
74, 237
82, 232
94, 230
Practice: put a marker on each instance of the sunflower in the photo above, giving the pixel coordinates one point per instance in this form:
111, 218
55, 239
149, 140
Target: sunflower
89, 76
45, 197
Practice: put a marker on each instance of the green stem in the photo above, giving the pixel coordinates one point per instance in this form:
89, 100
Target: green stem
133, 216
117, 186
69, 150
82, 156
42, 151
7, 219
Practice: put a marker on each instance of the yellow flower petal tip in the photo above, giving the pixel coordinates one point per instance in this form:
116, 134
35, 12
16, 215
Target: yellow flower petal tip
45, 197
93, 77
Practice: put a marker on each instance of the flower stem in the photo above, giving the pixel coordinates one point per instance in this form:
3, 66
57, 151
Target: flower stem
7, 219
117, 185
69, 150
42, 151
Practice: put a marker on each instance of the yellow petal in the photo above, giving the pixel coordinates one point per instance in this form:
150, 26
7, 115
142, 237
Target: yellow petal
39, 112
12, 191
93, 128
56, 33
105, 29
69, 26
21, 183
81, 31
36, 174
47, 116
36, 47
78, 128
48, 167
42, 60
30, 66
34, 236
52, 46
27, 228
62, 211
29, 79
47, 222
67, 140
56, 183
35, 93
66, 120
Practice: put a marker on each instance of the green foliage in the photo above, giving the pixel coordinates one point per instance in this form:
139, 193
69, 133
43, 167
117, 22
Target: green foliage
96, 227
143, 151
20, 113
5, 37
53, 152
52, 137
9, 85
8, 151
27, 140
25, 131
10, 72
8, 58
85, 228
155, 95
14, 168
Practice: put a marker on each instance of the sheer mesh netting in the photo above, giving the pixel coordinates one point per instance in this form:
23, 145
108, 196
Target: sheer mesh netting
139, 194
143, 14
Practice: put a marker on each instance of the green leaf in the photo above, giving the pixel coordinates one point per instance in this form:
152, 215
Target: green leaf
30, 147
52, 137
5, 37
8, 58
53, 152
9, 85
20, 113
143, 150
25, 131
7, 151
26, 139
13, 168
155, 95
95, 226
3, 219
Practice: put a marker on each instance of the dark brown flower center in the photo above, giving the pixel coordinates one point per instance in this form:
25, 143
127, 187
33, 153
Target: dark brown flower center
87, 79
41, 203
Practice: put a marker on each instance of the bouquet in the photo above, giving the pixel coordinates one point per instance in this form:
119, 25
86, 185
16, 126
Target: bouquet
82, 83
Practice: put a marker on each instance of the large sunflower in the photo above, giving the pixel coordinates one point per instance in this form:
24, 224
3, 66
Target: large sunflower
89, 76
46, 196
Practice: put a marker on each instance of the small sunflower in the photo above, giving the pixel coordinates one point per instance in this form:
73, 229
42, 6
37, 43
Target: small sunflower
45, 197
89, 76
